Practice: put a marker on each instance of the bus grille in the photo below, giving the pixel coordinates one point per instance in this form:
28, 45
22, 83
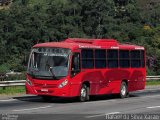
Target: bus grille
45, 85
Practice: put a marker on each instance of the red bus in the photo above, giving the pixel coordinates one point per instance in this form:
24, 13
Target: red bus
85, 67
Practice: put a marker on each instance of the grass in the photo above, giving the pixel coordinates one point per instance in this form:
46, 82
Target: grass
12, 90
154, 82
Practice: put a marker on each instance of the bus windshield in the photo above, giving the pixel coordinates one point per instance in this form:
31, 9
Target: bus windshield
48, 63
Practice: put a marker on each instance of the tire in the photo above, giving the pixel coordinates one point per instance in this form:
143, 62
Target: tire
46, 98
123, 90
84, 93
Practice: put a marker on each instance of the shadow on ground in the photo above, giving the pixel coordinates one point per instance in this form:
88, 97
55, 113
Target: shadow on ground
60, 100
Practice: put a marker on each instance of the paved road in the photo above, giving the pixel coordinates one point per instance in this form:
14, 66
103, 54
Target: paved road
33, 108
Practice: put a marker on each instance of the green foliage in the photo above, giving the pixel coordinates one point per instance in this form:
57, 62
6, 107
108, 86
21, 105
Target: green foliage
28, 22
4, 68
150, 72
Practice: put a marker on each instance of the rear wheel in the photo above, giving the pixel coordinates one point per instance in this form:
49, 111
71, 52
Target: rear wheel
123, 90
46, 98
84, 93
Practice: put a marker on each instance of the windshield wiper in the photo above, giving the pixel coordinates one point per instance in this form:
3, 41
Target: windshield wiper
52, 72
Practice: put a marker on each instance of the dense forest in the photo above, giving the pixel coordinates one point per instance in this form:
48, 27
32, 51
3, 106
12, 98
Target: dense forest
27, 22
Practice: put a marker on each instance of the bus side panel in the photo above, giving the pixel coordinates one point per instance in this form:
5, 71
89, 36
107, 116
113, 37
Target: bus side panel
137, 80
108, 81
112, 87
96, 80
91, 76
114, 78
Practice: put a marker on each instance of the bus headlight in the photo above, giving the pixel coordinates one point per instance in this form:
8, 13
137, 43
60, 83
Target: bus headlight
64, 83
29, 82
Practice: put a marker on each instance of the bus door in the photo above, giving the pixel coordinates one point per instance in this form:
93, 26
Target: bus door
75, 74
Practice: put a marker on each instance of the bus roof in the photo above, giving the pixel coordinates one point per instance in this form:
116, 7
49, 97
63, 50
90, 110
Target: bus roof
76, 43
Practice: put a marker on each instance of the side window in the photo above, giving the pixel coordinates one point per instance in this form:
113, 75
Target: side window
112, 58
142, 58
87, 58
135, 59
100, 58
75, 64
124, 59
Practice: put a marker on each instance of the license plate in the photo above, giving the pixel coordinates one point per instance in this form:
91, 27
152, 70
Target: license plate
44, 90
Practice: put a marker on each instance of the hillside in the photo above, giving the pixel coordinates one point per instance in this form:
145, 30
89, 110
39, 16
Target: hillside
27, 22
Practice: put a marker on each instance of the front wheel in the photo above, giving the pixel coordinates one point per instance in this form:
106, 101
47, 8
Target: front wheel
84, 93
123, 90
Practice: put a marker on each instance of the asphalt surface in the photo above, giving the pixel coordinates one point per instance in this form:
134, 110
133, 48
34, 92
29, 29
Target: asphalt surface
99, 108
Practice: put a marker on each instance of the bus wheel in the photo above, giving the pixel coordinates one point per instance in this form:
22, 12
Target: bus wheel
123, 90
84, 93
46, 98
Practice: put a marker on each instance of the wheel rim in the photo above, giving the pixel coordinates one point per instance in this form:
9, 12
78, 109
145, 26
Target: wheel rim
83, 93
123, 90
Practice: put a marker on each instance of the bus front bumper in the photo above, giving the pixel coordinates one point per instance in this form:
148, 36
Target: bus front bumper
57, 92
